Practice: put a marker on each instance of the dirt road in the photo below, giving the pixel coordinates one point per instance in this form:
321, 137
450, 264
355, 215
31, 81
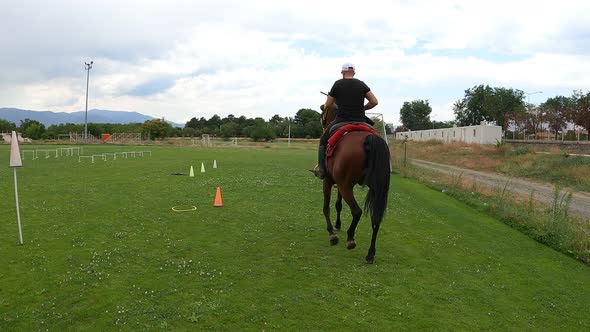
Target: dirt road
580, 204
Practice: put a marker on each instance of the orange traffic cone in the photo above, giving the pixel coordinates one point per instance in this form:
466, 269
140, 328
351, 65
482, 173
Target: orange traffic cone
218, 198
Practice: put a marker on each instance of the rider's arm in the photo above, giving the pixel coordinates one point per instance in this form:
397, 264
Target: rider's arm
372, 100
329, 102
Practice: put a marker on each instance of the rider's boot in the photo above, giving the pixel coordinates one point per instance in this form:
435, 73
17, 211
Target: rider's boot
320, 170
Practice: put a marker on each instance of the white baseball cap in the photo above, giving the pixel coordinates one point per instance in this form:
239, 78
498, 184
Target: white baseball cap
346, 66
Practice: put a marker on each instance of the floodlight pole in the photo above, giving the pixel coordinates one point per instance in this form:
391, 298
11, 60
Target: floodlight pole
528, 95
87, 66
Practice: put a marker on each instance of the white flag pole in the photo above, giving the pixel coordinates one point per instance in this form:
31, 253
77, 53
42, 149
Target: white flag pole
20, 231
15, 161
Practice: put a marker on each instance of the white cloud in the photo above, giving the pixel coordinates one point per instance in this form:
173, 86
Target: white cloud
259, 58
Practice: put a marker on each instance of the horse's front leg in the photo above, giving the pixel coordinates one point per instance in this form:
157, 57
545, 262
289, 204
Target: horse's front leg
327, 194
338, 225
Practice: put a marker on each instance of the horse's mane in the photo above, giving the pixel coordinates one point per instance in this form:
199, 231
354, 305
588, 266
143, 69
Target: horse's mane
328, 115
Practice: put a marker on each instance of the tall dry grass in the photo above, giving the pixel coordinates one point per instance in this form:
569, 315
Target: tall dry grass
551, 225
556, 167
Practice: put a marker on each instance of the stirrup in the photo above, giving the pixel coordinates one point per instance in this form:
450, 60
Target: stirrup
316, 171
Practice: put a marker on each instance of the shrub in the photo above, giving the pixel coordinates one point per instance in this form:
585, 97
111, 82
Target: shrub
519, 151
262, 133
570, 136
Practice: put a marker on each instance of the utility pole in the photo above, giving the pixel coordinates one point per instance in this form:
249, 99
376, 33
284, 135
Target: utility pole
87, 66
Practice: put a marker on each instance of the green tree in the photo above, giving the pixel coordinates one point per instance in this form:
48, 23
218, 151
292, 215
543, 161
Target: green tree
306, 115
229, 118
192, 123
189, 132
415, 115
155, 128
6, 126
306, 123
276, 119
32, 128
312, 129
532, 120
54, 131
556, 111
442, 124
214, 123
229, 129
96, 129
262, 132
484, 103
504, 102
581, 110
282, 128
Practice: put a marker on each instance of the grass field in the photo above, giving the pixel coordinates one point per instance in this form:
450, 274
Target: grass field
104, 251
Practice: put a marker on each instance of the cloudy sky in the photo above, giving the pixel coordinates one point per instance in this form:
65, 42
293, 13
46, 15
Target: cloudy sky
184, 59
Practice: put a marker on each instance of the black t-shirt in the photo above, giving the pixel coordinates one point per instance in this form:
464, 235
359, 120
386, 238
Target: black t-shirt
349, 95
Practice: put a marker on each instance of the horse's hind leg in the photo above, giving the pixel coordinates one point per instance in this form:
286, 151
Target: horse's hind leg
371, 254
327, 195
338, 225
355, 210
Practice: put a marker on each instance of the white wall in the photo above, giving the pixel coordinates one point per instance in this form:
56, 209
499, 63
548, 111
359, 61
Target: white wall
482, 134
7, 137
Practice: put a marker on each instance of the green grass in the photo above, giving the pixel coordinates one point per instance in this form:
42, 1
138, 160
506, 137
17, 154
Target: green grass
104, 251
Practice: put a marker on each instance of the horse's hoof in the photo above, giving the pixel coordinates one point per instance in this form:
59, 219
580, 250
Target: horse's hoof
334, 239
370, 260
350, 245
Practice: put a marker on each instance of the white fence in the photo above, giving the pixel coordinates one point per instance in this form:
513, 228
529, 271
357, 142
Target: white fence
482, 134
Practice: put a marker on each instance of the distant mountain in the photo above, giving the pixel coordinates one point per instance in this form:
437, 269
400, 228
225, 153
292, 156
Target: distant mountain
49, 118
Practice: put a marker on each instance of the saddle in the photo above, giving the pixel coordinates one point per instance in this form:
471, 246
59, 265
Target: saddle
339, 130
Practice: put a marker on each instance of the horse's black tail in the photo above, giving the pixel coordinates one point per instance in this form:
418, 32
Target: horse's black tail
377, 177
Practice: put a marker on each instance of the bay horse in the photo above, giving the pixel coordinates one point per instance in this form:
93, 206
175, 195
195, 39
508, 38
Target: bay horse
359, 158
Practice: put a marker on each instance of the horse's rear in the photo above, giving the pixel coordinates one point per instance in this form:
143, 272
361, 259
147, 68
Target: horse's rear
359, 158
349, 158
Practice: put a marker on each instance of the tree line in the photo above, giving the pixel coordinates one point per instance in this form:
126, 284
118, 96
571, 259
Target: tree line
507, 108
305, 124
36, 130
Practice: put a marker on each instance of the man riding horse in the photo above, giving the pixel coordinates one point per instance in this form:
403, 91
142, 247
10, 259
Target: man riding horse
349, 94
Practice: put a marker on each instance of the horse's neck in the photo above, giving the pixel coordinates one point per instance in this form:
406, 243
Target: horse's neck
330, 116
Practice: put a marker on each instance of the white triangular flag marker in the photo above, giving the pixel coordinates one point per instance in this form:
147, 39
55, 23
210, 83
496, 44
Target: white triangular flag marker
192, 173
214, 163
202, 168
15, 162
